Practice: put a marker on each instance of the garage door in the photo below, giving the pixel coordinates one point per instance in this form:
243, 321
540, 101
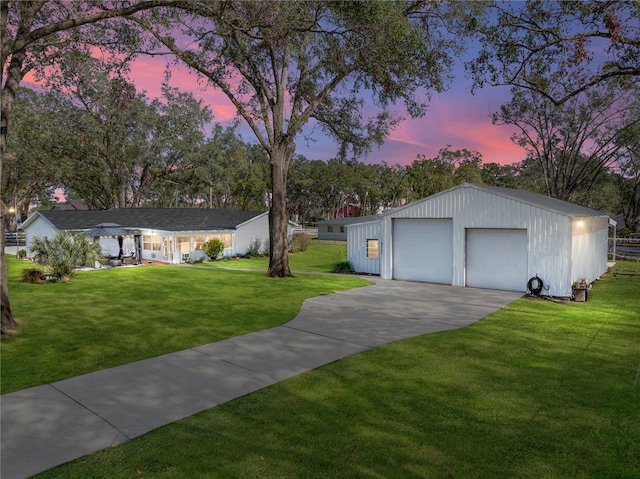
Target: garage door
497, 259
422, 250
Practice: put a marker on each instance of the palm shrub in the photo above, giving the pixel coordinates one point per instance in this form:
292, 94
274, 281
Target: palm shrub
65, 252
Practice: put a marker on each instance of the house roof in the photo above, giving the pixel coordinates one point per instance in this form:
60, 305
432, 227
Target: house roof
71, 205
349, 220
528, 197
166, 219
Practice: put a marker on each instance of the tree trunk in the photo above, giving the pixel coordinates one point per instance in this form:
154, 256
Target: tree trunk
281, 155
7, 323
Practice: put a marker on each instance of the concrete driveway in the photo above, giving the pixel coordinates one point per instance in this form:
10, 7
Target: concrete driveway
46, 426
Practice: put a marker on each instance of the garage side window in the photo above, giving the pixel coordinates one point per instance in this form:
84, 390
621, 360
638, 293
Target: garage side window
372, 248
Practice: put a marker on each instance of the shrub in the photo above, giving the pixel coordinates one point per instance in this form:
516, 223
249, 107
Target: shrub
299, 243
33, 275
344, 268
65, 252
22, 254
256, 248
198, 260
266, 248
213, 248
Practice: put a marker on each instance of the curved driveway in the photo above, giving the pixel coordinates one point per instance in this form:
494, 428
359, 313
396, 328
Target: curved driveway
46, 426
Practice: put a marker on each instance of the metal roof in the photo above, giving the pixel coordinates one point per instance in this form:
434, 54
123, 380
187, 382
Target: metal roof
348, 220
523, 196
166, 219
535, 199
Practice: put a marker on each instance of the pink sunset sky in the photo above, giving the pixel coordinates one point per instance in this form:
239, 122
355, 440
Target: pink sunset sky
455, 117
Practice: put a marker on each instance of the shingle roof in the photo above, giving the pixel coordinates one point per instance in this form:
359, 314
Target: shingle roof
167, 219
349, 220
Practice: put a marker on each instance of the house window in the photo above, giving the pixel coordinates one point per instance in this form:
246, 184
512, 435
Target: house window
184, 244
372, 248
151, 242
342, 229
329, 229
226, 238
198, 241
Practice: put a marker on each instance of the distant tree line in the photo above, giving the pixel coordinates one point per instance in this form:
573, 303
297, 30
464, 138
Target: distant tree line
115, 148
317, 188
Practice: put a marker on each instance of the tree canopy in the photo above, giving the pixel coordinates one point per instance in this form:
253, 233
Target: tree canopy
574, 142
557, 49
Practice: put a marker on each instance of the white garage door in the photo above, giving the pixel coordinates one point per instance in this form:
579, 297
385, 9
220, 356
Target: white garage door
422, 250
497, 259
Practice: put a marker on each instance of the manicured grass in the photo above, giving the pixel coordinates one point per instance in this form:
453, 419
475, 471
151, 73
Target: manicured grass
537, 390
111, 317
318, 258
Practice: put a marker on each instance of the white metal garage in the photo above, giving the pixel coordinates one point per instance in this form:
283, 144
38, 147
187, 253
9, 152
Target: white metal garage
496, 259
488, 237
422, 250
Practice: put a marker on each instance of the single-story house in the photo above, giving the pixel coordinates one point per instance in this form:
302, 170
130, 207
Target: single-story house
170, 235
336, 229
485, 237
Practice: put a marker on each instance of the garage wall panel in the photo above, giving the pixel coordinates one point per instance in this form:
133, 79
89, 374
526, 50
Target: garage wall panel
357, 236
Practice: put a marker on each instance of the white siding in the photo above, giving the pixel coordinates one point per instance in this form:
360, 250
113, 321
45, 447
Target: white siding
39, 227
357, 236
159, 255
338, 232
248, 232
589, 248
549, 233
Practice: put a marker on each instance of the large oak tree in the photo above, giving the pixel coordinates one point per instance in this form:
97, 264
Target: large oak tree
575, 142
30, 34
285, 65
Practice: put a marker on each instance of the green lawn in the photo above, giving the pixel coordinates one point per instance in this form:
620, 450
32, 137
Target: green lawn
319, 257
540, 389
111, 317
